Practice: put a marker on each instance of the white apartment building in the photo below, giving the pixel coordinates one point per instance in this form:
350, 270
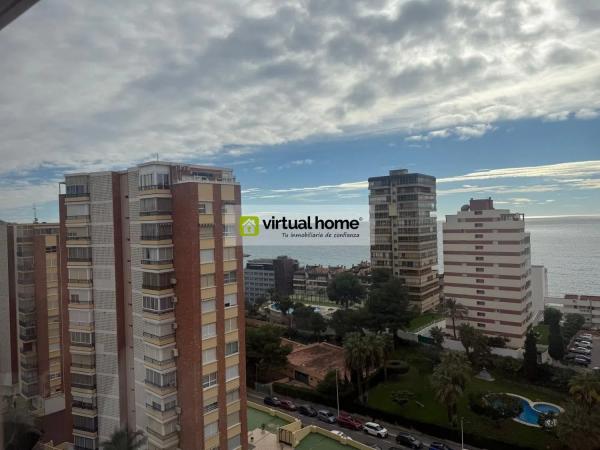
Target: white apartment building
488, 269
586, 305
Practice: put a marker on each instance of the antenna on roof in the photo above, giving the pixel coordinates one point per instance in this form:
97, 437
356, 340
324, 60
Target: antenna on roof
35, 218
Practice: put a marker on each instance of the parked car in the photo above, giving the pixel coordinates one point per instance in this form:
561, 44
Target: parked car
572, 356
439, 446
271, 401
583, 343
288, 404
347, 421
579, 360
307, 410
325, 416
587, 336
582, 350
374, 429
408, 440
341, 434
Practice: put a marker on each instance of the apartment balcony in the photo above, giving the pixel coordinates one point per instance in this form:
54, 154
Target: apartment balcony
30, 390
159, 364
29, 377
77, 197
81, 326
26, 306
76, 283
89, 369
79, 262
156, 239
28, 335
77, 220
159, 440
84, 409
159, 340
28, 364
158, 414
78, 241
154, 264
161, 390
157, 289
154, 315
27, 319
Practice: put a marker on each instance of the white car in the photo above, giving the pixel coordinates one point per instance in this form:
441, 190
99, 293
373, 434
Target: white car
341, 434
585, 336
581, 350
374, 429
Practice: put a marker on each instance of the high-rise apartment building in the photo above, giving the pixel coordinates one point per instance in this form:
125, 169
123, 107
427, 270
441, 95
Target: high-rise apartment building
404, 232
32, 357
487, 269
155, 297
266, 275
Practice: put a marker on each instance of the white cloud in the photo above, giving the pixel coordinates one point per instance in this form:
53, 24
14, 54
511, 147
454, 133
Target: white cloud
296, 163
462, 133
587, 113
196, 80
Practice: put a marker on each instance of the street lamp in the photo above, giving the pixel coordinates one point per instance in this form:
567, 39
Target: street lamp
337, 392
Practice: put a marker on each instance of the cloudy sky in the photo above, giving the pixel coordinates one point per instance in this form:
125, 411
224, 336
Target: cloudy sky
307, 99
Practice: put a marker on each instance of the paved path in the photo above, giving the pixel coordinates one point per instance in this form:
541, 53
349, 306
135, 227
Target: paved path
359, 435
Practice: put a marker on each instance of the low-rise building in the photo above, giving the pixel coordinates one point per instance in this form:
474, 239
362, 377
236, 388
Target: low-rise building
309, 364
586, 305
310, 282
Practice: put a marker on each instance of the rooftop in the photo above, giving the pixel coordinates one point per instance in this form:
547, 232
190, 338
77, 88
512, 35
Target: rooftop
317, 359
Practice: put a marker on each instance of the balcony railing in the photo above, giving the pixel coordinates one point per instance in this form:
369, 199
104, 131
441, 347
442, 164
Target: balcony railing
156, 237
90, 365
164, 362
157, 262
155, 213
79, 259
83, 405
80, 281
157, 287
77, 194
80, 385
165, 337
81, 217
28, 336
88, 428
155, 186
82, 344
78, 238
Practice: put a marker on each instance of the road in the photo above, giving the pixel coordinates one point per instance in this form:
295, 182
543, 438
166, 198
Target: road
359, 435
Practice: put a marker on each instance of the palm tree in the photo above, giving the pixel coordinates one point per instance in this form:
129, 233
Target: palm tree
123, 439
449, 380
455, 311
386, 343
355, 353
578, 427
585, 389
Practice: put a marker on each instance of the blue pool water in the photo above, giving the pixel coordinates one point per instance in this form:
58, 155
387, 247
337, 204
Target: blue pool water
531, 414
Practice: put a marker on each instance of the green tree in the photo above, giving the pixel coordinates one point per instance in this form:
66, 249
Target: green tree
379, 276
454, 311
123, 439
556, 344
355, 355
386, 342
285, 306
467, 336
572, 325
578, 427
449, 380
530, 357
437, 334
306, 318
345, 288
552, 315
388, 307
264, 352
327, 386
585, 389
344, 321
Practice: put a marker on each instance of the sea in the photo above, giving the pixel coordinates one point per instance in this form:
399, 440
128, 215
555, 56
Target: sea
569, 247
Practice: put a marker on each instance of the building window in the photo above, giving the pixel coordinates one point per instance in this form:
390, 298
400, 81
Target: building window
158, 304
155, 206
207, 256
157, 255
229, 277
233, 419
231, 348
209, 355
480, 280
209, 380
209, 330
481, 325
234, 443
156, 231
478, 213
231, 324
479, 291
208, 305
232, 396
205, 207
478, 225
229, 230
230, 300
207, 230
479, 269
481, 314
207, 280
478, 236
479, 302
479, 247
77, 211
229, 253
232, 372
479, 258
211, 406
211, 429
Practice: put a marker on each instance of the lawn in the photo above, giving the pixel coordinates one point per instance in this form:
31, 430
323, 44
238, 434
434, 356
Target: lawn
257, 418
541, 333
315, 441
417, 381
424, 319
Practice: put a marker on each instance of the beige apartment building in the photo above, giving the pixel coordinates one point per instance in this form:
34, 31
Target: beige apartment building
31, 357
404, 232
155, 298
487, 269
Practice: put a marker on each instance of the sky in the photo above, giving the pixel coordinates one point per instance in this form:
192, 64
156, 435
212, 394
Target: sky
307, 99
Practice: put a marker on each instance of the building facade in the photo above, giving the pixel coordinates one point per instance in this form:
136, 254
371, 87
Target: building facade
310, 282
155, 297
263, 276
403, 225
32, 363
586, 305
487, 265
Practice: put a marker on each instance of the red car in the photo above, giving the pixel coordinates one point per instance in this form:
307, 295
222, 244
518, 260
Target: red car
288, 404
347, 421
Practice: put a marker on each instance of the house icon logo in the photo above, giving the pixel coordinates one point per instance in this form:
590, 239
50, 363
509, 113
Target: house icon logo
249, 225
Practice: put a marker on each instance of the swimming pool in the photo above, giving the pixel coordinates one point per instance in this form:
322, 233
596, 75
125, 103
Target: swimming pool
532, 410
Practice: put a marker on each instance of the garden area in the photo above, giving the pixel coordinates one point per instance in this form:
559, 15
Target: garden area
423, 320
417, 402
